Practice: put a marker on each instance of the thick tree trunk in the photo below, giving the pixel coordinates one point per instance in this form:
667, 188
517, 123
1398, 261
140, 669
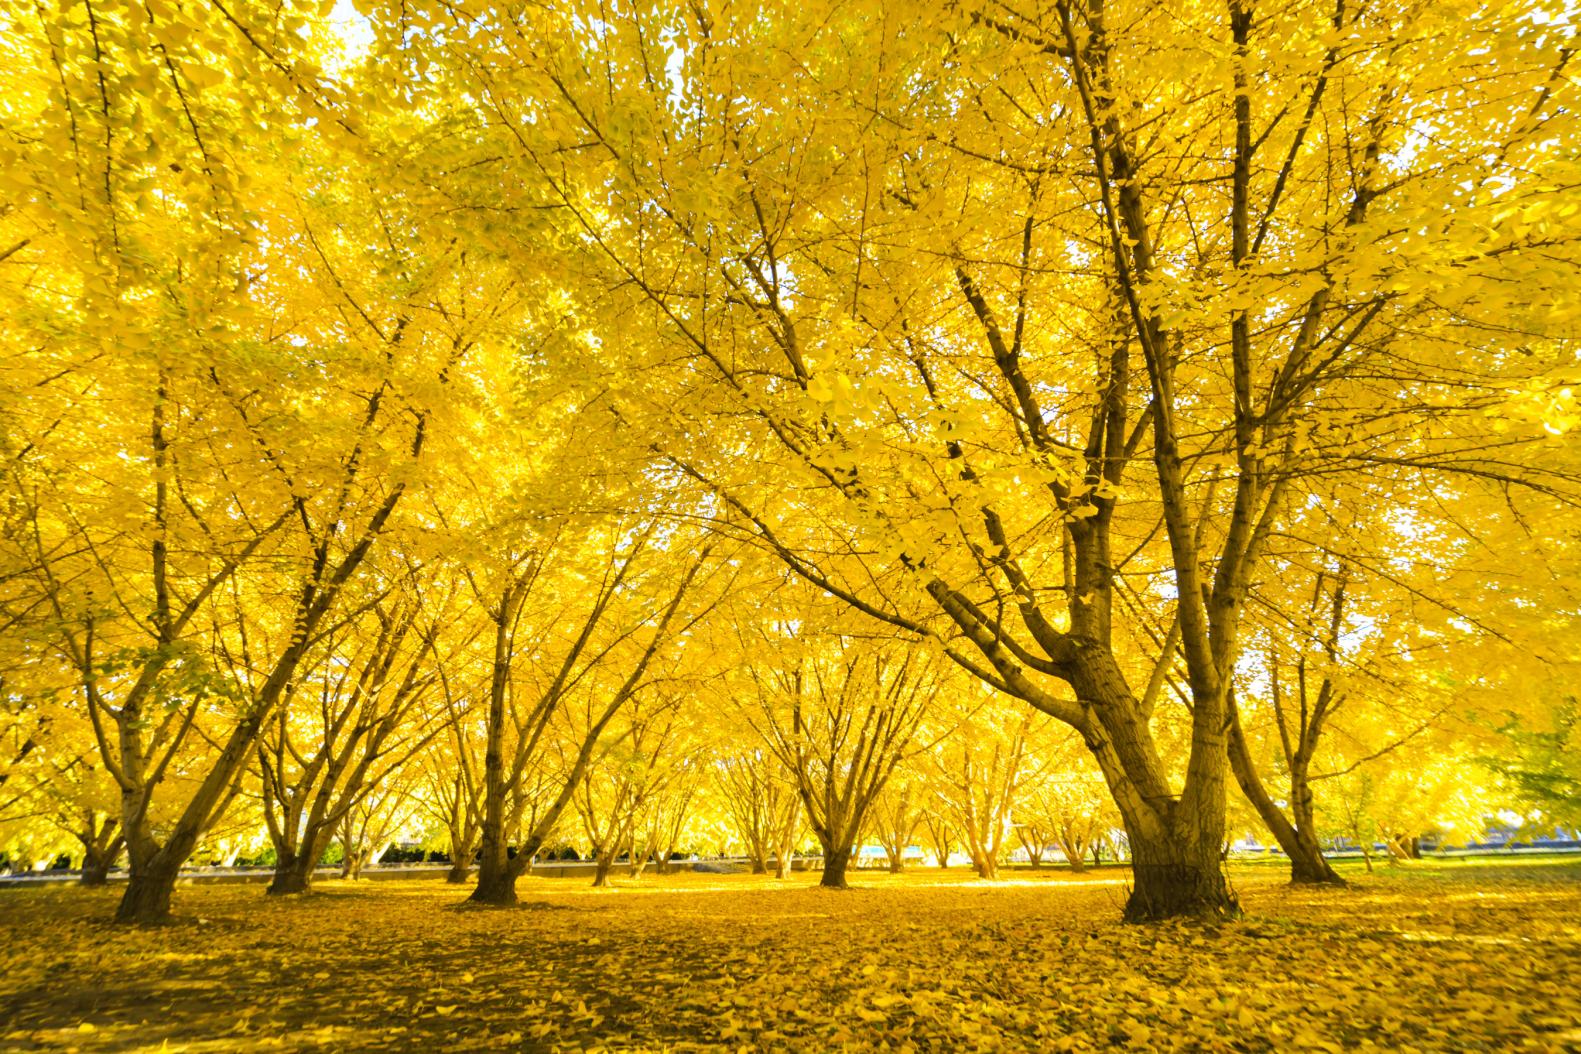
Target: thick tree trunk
1170, 880
835, 862
760, 866
897, 864
601, 871
148, 889
459, 872
1076, 856
782, 865
496, 886
1175, 838
985, 865
292, 874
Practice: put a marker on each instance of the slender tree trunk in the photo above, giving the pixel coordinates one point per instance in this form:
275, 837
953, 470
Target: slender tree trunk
97, 861
835, 862
1308, 866
463, 848
760, 866
782, 865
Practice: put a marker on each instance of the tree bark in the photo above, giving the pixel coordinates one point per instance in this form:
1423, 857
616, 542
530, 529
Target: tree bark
496, 886
601, 871
148, 888
1308, 866
291, 878
97, 861
1174, 880
985, 865
835, 862
293, 872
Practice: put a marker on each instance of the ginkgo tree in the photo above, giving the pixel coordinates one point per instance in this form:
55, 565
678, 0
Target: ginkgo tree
1034, 305
686, 418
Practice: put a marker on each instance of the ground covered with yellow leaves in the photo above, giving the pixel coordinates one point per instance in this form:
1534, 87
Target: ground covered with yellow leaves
1434, 956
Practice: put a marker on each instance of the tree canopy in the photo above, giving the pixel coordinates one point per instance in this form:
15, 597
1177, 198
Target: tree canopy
717, 427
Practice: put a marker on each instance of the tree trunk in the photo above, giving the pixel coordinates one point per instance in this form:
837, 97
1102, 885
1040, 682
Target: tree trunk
1076, 856
148, 889
96, 862
292, 874
760, 866
897, 864
834, 864
294, 871
496, 886
601, 871
1307, 863
782, 865
459, 872
1171, 880
496, 878
986, 866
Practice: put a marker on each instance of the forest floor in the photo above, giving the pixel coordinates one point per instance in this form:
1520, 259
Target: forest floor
1455, 955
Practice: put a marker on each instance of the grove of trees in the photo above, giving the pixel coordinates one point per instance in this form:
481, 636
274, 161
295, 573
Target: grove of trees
1092, 428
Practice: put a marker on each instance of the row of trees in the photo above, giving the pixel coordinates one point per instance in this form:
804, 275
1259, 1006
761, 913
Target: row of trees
480, 398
